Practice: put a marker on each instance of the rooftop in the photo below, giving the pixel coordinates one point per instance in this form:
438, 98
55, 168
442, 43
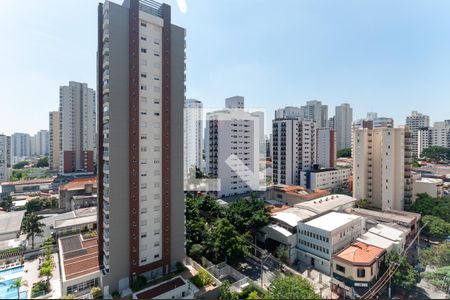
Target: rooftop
300, 191
388, 232
327, 203
79, 257
31, 181
75, 221
430, 180
79, 184
10, 222
376, 240
332, 221
360, 254
407, 218
293, 215
161, 289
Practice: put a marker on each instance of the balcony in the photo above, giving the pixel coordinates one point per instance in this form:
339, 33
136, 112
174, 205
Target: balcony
106, 48
106, 62
106, 35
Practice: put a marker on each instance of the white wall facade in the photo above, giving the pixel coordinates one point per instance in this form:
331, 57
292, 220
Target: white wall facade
342, 124
415, 122
326, 147
193, 135
328, 179
3, 158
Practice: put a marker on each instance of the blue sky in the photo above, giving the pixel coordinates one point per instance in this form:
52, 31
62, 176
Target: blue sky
380, 55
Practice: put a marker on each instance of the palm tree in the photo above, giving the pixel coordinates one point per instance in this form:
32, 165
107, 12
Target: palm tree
17, 284
32, 227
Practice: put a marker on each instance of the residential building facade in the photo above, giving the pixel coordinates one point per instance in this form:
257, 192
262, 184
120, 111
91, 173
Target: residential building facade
232, 148
141, 93
382, 167
54, 140
20, 146
193, 135
4, 158
294, 149
342, 124
328, 179
78, 127
315, 111
326, 147
415, 122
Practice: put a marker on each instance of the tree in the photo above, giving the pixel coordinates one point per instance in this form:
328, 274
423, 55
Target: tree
283, 255
6, 203
362, 203
46, 270
436, 228
17, 284
225, 243
436, 154
248, 215
96, 292
20, 165
437, 255
42, 162
291, 287
253, 295
346, 152
427, 205
440, 278
32, 226
405, 276
226, 293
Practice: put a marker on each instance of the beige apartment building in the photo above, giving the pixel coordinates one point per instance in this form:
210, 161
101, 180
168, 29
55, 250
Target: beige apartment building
382, 167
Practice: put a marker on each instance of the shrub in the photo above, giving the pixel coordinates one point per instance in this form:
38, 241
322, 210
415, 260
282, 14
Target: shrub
201, 279
139, 283
40, 288
96, 292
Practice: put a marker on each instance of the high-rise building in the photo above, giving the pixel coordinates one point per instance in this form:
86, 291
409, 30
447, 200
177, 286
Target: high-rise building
382, 167
20, 146
232, 150
261, 125
40, 143
440, 133
326, 147
343, 126
315, 111
424, 139
294, 149
289, 112
373, 121
3, 158
415, 122
78, 130
234, 102
141, 93
54, 141
193, 135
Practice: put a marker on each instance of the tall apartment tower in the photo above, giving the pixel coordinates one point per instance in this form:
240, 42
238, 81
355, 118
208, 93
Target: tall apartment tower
3, 158
315, 111
415, 122
343, 126
40, 143
141, 92
440, 134
326, 147
54, 140
293, 149
193, 135
232, 149
382, 167
20, 146
235, 102
78, 130
289, 112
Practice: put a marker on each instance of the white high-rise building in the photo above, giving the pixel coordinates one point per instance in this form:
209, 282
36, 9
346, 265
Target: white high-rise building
289, 112
4, 158
232, 149
261, 127
39, 143
440, 134
373, 121
193, 135
382, 167
20, 146
342, 122
293, 149
315, 111
326, 147
415, 122
78, 127
424, 139
234, 102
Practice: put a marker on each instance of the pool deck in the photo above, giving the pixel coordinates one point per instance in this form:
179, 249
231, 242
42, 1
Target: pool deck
31, 275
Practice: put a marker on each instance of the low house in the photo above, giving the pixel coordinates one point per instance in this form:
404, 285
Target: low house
386, 237
356, 266
292, 195
326, 179
79, 265
78, 193
10, 224
26, 186
175, 288
323, 236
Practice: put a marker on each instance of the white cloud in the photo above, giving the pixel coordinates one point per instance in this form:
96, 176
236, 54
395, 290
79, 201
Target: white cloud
182, 5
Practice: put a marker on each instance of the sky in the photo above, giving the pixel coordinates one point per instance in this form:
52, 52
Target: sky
386, 56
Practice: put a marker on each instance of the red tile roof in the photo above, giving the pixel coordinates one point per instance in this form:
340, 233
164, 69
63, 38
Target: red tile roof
79, 257
360, 254
79, 183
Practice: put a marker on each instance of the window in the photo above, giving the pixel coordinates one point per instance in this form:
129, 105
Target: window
143, 198
340, 268
143, 24
143, 50
143, 75
156, 41
144, 99
143, 38
143, 87
361, 273
156, 244
144, 210
143, 136
144, 235
156, 256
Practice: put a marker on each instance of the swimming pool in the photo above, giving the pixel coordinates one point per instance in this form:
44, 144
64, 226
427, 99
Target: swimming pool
6, 279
